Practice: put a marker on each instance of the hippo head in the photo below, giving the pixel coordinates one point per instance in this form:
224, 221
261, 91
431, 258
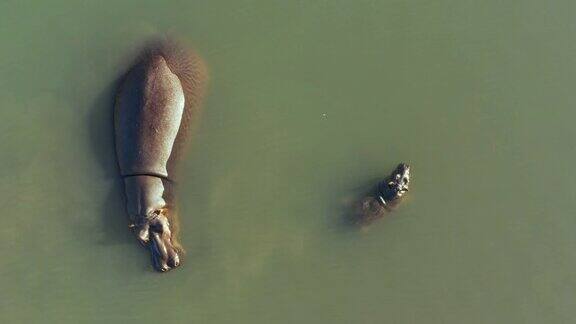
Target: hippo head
150, 220
396, 185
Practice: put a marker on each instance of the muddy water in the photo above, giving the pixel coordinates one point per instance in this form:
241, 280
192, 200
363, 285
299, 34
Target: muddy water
310, 103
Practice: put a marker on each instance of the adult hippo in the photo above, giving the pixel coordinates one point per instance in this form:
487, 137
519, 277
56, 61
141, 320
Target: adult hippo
155, 104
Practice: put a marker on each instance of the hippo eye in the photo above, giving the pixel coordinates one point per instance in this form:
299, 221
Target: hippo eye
391, 184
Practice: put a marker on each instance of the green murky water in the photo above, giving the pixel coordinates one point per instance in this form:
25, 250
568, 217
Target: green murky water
310, 102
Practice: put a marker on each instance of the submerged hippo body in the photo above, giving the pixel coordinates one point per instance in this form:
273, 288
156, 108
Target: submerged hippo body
154, 108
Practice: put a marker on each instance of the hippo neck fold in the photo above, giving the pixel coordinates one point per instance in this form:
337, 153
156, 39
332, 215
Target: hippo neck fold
144, 195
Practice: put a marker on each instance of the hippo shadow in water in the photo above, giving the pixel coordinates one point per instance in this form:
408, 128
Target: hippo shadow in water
101, 132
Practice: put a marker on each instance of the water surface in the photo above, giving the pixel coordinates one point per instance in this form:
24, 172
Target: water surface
310, 102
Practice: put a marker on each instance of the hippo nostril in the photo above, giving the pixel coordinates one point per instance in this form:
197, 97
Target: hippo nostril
174, 261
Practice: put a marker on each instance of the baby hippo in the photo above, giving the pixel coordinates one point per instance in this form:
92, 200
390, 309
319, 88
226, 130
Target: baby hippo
385, 197
155, 104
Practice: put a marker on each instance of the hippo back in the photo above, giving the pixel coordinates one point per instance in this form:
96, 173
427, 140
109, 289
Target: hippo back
149, 109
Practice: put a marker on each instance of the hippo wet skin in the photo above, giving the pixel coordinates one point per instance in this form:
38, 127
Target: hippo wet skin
155, 104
